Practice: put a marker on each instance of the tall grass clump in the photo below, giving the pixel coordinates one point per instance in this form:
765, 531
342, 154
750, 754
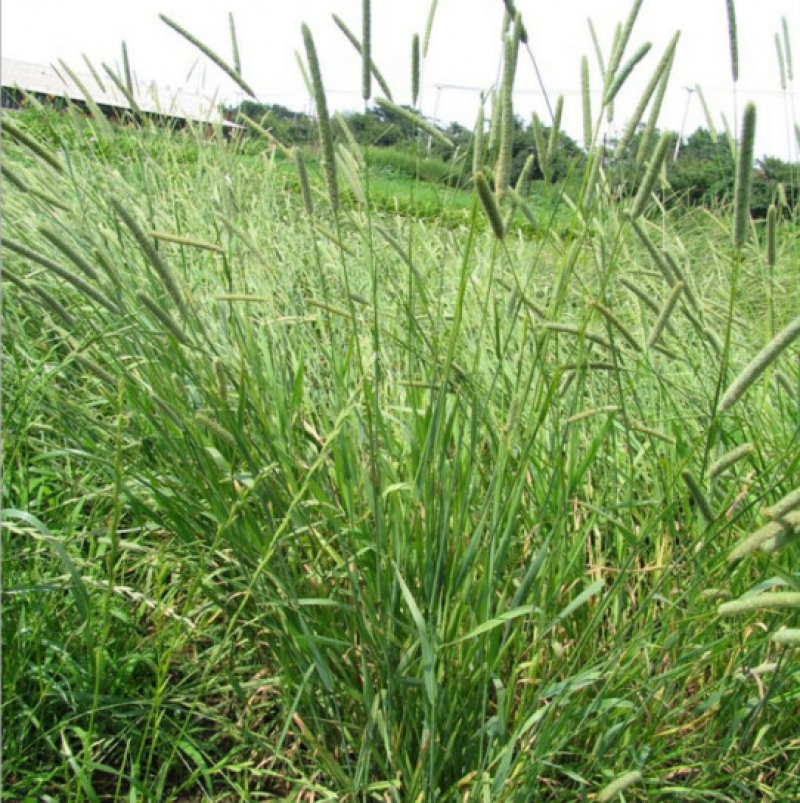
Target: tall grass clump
343, 501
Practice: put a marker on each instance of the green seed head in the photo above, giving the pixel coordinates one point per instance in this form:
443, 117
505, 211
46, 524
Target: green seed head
323, 118
733, 39
744, 177
414, 69
489, 205
366, 52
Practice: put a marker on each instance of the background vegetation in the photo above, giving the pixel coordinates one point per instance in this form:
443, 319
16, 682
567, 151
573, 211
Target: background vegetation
702, 173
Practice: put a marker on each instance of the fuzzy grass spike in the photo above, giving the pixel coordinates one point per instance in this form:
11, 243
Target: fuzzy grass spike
765, 601
323, 118
744, 177
759, 364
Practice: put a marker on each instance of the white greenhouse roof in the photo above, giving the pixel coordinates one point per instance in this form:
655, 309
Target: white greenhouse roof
152, 99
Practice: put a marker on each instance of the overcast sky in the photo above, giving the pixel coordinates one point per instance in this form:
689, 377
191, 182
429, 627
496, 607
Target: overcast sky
464, 54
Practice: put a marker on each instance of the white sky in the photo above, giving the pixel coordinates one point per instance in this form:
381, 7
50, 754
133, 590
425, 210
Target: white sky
465, 51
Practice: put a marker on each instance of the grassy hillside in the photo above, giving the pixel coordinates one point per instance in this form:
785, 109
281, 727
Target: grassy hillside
370, 503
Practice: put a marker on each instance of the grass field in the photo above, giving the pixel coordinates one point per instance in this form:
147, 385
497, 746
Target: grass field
372, 504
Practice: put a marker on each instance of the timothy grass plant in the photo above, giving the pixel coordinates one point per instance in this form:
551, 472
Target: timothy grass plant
309, 497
